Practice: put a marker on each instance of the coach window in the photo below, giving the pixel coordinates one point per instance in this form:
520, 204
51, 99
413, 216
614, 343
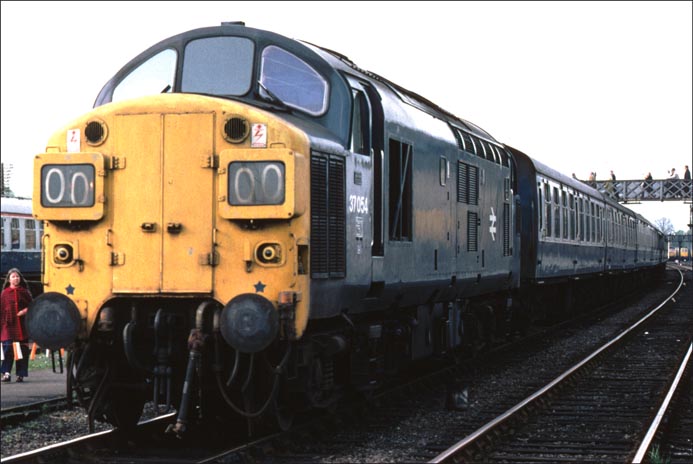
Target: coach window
540, 208
547, 204
151, 77
581, 224
556, 213
564, 211
588, 221
30, 234
14, 232
593, 215
573, 216
624, 229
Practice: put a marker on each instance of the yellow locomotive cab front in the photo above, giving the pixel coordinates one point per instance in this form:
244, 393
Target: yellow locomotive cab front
172, 207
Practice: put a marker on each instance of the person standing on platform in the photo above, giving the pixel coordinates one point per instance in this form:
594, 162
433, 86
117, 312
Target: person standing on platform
686, 180
15, 301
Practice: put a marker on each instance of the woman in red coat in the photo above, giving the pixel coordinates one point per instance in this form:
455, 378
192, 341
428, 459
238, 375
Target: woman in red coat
15, 304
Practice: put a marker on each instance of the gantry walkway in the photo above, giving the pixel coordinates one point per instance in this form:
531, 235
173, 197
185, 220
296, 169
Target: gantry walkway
636, 191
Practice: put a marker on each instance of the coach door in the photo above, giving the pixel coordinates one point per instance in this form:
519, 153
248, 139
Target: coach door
163, 204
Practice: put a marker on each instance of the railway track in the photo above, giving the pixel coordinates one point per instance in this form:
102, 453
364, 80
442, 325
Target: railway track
601, 409
416, 427
669, 438
26, 412
405, 426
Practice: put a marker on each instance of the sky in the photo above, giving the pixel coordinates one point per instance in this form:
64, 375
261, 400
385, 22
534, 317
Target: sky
579, 86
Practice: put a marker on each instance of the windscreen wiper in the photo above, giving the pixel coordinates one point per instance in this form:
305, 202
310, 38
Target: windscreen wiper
273, 97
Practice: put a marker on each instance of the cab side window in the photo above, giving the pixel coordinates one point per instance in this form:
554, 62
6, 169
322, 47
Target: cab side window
360, 124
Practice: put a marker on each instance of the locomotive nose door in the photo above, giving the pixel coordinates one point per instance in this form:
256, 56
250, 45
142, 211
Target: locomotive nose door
163, 203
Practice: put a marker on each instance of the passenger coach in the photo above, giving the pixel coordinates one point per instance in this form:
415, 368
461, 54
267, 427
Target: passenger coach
21, 240
573, 232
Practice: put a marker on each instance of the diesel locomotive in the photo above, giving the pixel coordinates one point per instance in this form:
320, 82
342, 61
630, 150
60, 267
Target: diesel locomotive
248, 225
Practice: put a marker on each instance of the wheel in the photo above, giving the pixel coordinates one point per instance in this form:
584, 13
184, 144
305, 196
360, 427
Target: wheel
126, 408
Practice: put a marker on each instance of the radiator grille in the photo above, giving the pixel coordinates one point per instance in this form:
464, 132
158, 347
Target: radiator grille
507, 251
462, 191
472, 228
467, 183
327, 257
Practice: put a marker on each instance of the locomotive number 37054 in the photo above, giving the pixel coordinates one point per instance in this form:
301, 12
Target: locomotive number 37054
358, 204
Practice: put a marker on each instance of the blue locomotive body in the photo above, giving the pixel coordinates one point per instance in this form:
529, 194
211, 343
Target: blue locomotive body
410, 232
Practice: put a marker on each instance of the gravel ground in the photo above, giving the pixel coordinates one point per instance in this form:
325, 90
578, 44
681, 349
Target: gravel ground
381, 438
399, 441
46, 430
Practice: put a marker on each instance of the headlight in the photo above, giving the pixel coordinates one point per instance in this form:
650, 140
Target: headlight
256, 183
62, 254
67, 185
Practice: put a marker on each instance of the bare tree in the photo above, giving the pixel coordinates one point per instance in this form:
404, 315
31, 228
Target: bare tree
665, 225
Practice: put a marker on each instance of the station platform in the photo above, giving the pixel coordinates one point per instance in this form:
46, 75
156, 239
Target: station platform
40, 385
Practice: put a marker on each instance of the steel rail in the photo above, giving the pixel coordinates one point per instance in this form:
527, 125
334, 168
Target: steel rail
485, 429
647, 441
38, 454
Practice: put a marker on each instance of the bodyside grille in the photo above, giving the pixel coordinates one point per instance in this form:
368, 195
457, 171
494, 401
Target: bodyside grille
472, 228
328, 243
467, 183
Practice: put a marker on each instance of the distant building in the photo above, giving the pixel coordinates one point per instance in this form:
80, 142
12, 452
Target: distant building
6, 175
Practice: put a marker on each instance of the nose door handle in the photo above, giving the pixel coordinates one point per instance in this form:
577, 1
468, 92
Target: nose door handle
174, 227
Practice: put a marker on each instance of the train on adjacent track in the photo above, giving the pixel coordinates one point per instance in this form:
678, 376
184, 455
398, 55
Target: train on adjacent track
21, 241
248, 225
